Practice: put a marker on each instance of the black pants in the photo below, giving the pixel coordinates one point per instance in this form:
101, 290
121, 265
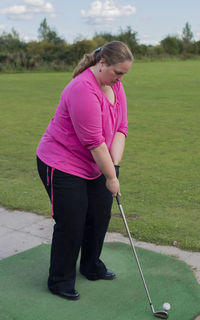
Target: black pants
81, 210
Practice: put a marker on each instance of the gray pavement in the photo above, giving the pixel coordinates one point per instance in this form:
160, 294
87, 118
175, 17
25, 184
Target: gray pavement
20, 231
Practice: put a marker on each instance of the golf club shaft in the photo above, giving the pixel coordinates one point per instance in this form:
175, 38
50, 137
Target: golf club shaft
134, 251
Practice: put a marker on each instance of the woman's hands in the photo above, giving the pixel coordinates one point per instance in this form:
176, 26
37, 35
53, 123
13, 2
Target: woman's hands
104, 161
113, 183
113, 186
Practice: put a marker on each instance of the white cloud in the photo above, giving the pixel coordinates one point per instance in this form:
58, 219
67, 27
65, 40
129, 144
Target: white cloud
27, 37
109, 10
27, 10
145, 39
197, 36
149, 42
179, 34
2, 27
35, 2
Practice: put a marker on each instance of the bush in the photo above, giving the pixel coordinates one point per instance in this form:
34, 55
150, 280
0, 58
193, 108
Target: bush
53, 53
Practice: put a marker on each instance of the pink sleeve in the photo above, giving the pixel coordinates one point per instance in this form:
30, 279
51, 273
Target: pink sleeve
85, 112
124, 123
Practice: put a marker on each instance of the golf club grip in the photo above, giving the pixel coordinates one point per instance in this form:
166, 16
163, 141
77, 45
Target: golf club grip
118, 200
134, 251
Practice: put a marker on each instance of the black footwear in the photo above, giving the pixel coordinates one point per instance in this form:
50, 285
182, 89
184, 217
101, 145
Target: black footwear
70, 295
109, 275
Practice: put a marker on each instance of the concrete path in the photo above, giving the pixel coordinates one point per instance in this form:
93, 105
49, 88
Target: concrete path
20, 231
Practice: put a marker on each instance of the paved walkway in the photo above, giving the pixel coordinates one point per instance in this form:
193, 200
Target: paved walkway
20, 231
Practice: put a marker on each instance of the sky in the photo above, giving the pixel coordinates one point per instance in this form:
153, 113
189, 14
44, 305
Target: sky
153, 20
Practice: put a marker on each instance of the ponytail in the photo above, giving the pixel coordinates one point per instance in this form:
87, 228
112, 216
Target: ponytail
88, 60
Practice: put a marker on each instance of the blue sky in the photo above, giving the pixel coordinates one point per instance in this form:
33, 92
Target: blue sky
151, 19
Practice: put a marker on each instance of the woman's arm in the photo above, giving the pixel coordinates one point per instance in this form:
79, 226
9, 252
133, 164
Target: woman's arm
117, 148
104, 161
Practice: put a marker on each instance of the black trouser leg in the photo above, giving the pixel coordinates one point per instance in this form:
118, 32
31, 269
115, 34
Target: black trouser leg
82, 213
70, 204
97, 220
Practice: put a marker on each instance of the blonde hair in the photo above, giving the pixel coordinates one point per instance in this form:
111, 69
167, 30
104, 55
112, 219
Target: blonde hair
113, 52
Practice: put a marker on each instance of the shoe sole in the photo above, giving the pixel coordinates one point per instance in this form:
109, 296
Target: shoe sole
65, 297
94, 277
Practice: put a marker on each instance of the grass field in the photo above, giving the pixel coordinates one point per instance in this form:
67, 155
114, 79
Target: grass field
159, 174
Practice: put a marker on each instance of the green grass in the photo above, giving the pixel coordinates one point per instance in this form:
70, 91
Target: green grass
24, 294
159, 174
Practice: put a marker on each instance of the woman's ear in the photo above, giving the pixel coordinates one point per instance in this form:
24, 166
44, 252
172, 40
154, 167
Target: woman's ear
102, 62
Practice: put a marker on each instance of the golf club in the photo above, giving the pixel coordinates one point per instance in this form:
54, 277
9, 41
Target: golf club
159, 314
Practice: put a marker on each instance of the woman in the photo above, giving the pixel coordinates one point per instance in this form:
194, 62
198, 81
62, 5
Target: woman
78, 159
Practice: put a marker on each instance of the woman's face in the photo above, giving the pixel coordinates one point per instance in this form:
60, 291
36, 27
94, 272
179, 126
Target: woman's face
111, 74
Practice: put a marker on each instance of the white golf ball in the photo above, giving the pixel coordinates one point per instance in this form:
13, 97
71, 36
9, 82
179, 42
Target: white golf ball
166, 306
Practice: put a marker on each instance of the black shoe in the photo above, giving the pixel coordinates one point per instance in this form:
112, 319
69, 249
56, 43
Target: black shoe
70, 295
109, 275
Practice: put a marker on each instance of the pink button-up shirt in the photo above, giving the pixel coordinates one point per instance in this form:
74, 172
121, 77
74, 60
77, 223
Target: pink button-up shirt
84, 119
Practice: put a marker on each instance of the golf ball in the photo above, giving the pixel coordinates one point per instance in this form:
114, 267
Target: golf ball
166, 306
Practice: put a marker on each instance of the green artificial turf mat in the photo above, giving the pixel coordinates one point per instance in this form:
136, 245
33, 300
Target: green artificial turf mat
24, 295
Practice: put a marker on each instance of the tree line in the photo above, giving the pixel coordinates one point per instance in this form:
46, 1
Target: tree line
52, 52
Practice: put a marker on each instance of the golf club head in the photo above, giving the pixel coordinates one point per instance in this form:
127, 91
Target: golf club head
161, 314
